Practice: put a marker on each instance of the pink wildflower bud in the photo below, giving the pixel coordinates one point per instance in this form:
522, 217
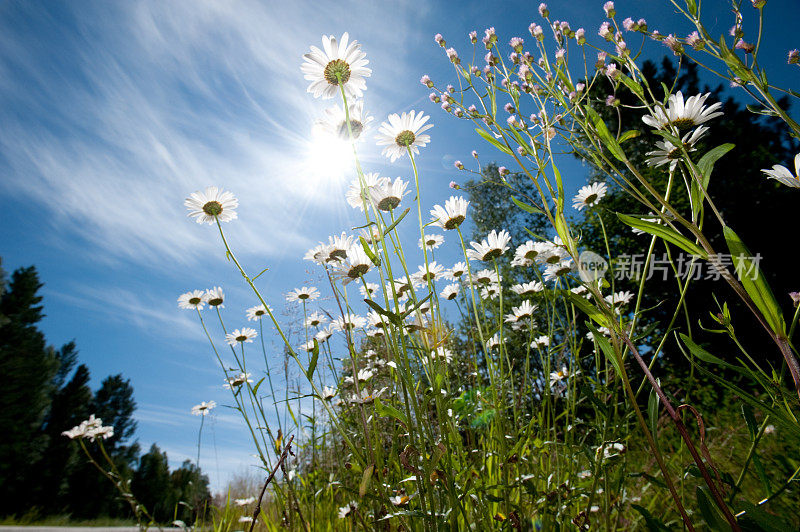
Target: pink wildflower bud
451, 89
612, 71
673, 44
458, 165
453, 56
580, 36
454, 185
611, 100
793, 57
560, 54
434, 97
543, 11
795, 298
509, 108
746, 46
579, 87
474, 154
695, 41
445, 106
503, 171
608, 7
516, 43
473, 37
605, 31
440, 40
641, 24
629, 24
426, 80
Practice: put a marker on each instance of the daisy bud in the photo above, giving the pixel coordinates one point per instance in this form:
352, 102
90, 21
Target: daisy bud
793, 58
605, 31
758, 4
543, 11
458, 165
440, 40
580, 36
516, 43
611, 101
434, 97
426, 80
509, 108
490, 37
473, 37
474, 154
503, 171
629, 24
608, 7
641, 24
454, 185
746, 46
795, 298
673, 44
695, 41
453, 56
601, 61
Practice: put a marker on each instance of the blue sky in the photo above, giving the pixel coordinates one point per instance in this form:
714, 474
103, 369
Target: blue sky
112, 112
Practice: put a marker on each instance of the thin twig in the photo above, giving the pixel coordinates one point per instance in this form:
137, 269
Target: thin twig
286, 450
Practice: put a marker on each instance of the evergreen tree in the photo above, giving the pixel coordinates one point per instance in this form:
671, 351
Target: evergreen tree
190, 494
151, 484
28, 368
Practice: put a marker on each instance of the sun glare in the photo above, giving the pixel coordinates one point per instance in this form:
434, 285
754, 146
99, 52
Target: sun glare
329, 159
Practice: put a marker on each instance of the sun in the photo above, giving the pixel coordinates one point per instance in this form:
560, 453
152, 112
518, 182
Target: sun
329, 158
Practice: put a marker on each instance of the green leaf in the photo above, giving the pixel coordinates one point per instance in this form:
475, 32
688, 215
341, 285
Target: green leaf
709, 511
375, 260
754, 282
705, 356
652, 412
362, 489
632, 85
488, 137
258, 385
628, 135
525, 207
415, 307
587, 308
762, 519
750, 419
606, 348
384, 410
391, 316
692, 6
394, 224
653, 524
312, 365
706, 166
665, 233
762, 475
605, 135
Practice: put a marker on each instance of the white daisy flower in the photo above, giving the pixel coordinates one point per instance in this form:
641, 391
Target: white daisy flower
556, 377
523, 312
541, 341
527, 289
402, 133
338, 246
450, 291
212, 204
338, 63
244, 502
237, 380
589, 195
323, 335
399, 500
214, 297
334, 122
526, 253
619, 298
452, 214
306, 293
353, 195
784, 176
388, 194
246, 519
328, 393
494, 245
432, 241
374, 319
560, 269
240, 336
315, 319
551, 253
423, 275
668, 153
372, 234
351, 321
683, 115
192, 300
369, 290
458, 270
442, 353
203, 409
257, 312
493, 342
91, 429
401, 286
354, 266
490, 292
308, 346
486, 276
344, 511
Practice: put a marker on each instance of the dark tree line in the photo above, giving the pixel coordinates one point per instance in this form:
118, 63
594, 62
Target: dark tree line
46, 391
